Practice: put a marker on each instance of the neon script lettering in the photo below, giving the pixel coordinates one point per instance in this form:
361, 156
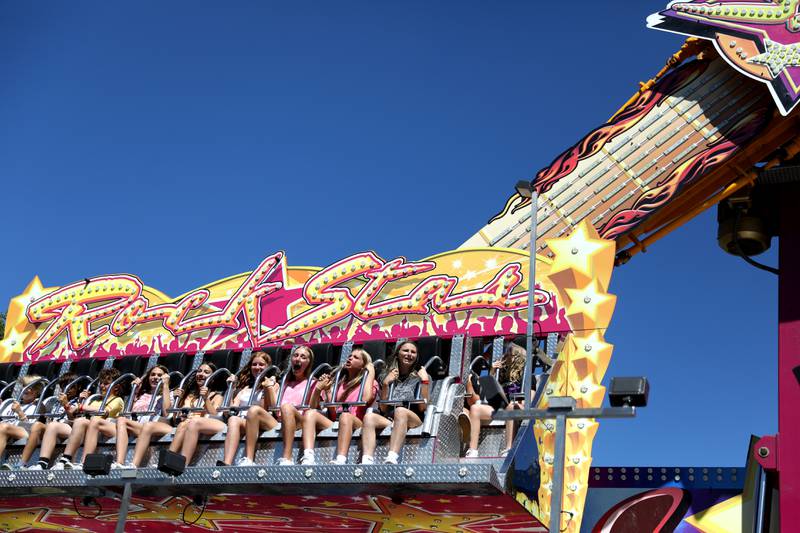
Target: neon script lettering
348, 288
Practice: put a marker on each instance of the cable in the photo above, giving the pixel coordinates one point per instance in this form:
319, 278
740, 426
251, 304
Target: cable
737, 213
200, 514
86, 502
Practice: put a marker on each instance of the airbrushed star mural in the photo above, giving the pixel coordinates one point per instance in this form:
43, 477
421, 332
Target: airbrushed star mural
760, 39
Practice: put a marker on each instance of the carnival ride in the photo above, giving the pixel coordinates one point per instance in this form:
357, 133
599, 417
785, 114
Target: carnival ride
697, 135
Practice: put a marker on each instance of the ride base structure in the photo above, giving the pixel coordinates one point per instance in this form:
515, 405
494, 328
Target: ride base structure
699, 134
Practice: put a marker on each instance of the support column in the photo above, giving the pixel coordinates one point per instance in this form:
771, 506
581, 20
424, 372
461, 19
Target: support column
788, 458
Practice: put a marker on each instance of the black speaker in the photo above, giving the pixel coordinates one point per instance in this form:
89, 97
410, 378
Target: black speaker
171, 463
97, 464
632, 391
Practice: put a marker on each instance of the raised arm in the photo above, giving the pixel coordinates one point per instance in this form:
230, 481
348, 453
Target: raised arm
166, 396
369, 384
425, 380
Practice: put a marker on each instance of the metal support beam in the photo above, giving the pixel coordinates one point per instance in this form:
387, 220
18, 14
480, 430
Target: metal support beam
602, 412
561, 408
557, 490
124, 504
527, 382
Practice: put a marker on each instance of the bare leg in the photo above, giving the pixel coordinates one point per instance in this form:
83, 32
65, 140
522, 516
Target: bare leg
123, 426
477, 413
510, 425
404, 419
53, 432
235, 426
289, 416
257, 419
195, 428
7, 431
313, 422
79, 427
35, 437
97, 425
177, 439
347, 424
373, 422
149, 430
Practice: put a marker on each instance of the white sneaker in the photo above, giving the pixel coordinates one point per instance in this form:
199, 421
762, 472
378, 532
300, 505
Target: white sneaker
115, 465
471, 454
244, 461
6, 466
59, 465
391, 458
340, 460
69, 465
129, 465
367, 460
308, 458
285, 462
37, 466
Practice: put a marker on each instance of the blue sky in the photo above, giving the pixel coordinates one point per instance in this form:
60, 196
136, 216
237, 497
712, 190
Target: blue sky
185, 141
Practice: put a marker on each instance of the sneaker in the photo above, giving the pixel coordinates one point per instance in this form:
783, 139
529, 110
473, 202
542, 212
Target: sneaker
115, 465
6, 466
37, 466
285, 462
504, 453
129, 465
471, 454
391, 458
340, 460
59, 465
367, 460
244, 461
308, 459
69, 465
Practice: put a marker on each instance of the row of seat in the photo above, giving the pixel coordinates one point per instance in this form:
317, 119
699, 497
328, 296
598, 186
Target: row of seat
330, 354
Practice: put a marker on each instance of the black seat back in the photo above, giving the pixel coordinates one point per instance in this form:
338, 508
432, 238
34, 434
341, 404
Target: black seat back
45, 369
133, 364
175, 362
88, 366
428, 348
376, 349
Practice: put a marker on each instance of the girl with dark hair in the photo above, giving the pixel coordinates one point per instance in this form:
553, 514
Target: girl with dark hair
406, 374
156, 377
245, 381
358, 368
258, 418
77, 431
195, 396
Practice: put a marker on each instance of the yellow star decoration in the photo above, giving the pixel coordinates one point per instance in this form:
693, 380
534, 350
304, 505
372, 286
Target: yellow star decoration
582, 257
171, 510
389, 517
31, 519
581, 271
589, 307
18, 329
590, 356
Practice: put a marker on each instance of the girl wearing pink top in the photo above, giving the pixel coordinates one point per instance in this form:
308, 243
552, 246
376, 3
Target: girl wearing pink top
156, 377
259, 419
358, 367
237, 423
